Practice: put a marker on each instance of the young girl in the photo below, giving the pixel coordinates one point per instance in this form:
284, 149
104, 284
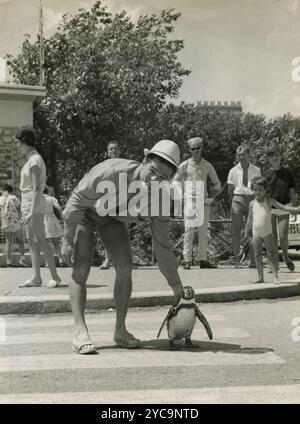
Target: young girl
259, 220
53, 228
10, 207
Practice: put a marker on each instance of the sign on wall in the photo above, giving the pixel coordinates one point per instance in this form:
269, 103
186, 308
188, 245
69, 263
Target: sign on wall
6, 166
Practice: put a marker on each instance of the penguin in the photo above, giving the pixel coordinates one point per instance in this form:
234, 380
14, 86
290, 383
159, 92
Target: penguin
181, 319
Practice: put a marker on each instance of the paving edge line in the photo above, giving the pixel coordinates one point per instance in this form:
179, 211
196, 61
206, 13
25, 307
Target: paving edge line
61, 303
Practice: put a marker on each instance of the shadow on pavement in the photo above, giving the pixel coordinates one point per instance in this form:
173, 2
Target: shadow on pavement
200, 346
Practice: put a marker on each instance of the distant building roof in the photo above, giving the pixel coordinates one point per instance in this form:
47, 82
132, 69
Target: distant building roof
222, 106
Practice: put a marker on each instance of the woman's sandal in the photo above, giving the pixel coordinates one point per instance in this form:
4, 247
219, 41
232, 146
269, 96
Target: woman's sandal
30, 283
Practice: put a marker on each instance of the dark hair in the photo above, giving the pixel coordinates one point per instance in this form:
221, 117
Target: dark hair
242, 148
46, 191
261, 181
112, 142
201, 139
273, 149
8, 188
26, 135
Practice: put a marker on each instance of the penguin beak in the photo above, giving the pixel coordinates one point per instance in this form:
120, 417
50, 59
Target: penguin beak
188, 293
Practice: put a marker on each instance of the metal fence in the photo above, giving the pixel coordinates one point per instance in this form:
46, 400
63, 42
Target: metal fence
219, 233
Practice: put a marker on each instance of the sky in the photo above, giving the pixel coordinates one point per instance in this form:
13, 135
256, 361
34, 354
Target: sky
236, 49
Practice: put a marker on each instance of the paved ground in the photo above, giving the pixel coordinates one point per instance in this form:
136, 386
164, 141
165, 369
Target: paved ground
144, 279
149, 288
254, 358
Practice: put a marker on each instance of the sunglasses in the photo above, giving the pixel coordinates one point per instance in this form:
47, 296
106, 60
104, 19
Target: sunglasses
193, 149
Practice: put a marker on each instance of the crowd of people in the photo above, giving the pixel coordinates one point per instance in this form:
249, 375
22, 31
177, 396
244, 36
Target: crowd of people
263, 202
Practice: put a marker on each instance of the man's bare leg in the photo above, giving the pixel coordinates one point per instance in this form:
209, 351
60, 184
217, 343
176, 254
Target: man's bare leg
77, 285
116, 240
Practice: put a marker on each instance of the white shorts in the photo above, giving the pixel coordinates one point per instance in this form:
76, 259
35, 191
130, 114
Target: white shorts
27, 202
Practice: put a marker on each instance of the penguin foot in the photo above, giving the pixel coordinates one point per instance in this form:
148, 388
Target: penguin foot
172, 345
190, 344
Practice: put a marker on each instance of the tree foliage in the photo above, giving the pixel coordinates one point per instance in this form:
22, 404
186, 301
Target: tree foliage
107, 77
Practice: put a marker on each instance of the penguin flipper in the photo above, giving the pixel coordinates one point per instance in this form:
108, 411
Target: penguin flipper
170, 312
204, 321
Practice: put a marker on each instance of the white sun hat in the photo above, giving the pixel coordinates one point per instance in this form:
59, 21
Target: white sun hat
166, 149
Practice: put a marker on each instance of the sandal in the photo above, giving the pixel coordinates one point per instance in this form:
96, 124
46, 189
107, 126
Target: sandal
84, 348
128, 341
23, 264
30, 283
290, 265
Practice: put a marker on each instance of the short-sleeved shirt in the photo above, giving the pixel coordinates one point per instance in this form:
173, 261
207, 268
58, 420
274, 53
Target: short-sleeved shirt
280, 183
87, 193
190, 170
33, 159
235, 177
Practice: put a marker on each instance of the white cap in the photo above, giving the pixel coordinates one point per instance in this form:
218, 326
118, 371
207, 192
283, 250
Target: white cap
166, 149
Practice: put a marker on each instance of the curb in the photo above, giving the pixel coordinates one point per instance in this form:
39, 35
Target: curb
60, 303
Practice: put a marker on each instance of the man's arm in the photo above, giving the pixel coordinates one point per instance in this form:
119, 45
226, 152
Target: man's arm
215, 181
230, 193
231, 185
72, 216
293, 197
166, 259
180, 173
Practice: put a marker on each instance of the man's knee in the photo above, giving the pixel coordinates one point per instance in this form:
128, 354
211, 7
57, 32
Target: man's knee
124, 270
41, 240
272, 255
236, 233
236, 226
31, 240
257, 255
283, 237
81, 272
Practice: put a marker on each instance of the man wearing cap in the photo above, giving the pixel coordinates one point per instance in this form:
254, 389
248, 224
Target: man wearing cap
82, 216
195, 169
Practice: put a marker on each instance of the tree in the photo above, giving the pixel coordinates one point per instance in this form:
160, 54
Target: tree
106, 78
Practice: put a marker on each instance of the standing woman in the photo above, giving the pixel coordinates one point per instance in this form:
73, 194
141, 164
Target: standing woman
282, 189
32, 185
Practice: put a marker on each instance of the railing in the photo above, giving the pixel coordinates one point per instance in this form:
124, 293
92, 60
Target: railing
218, 229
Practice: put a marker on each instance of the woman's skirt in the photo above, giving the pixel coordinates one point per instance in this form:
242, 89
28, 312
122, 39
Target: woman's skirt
26, 203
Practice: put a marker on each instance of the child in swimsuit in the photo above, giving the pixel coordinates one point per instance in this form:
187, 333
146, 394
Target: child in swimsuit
259, 221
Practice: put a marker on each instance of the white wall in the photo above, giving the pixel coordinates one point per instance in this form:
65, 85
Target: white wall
15, 113
2, 69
